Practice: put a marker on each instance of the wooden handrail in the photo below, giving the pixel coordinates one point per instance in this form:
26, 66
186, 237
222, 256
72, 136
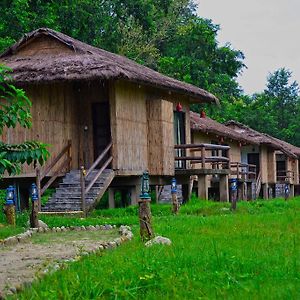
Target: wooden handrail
97, 161
194, 147
98, 174
40, 175
83, 175
57, 158
207, 159
202, 156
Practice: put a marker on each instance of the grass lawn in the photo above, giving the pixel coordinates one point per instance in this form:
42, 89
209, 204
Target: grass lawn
253, 253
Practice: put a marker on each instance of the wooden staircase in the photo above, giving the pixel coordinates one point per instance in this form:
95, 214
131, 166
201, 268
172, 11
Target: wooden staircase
81, 189
67, 196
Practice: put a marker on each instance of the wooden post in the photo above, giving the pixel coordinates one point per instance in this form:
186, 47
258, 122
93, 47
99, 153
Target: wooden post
38, 185
82, 186
134, 195
224, 192
34, 216
203, 187
145, 217
111, 198
10, 212
175, 204
265, 187
191, 184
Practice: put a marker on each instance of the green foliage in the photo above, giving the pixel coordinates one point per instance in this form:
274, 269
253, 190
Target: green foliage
276, 110
15, 110
232, 256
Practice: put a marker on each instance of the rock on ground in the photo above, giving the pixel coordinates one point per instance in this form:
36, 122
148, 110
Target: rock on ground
159, 240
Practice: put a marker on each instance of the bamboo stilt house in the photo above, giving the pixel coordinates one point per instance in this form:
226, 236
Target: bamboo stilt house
88, 102
276, 160
207, 130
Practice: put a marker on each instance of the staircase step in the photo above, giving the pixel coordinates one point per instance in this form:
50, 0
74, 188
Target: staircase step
67, 196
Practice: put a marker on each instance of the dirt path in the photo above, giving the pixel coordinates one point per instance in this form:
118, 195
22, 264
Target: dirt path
22, 262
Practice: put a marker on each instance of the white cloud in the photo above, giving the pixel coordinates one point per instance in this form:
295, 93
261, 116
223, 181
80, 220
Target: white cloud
266, 31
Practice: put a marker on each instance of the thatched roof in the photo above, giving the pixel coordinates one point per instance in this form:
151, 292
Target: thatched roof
86, 62
264, 139
208, 125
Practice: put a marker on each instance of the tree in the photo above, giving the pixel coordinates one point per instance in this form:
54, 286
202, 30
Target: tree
276, 110
14, 110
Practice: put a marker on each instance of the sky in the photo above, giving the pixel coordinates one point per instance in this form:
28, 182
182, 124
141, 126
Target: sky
266, 31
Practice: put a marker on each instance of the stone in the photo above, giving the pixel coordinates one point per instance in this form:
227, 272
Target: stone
42, 224
83, 227
12, 240
22, 237
159, 240
97, 227
58, 229
101, 247
40, 229
28, 233
118, 241
34, 230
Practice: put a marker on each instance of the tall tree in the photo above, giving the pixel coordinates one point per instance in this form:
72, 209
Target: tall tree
276, 110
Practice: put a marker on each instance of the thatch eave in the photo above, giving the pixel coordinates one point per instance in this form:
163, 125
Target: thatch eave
86, 62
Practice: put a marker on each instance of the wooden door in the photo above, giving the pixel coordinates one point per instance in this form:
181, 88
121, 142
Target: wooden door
101, 127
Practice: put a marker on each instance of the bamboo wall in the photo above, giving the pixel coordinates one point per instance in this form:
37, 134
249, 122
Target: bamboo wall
271, 167
53, 120
264, 164
44, 45
160, 137
129, 128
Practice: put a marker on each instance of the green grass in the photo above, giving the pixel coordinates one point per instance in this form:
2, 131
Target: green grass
253, 253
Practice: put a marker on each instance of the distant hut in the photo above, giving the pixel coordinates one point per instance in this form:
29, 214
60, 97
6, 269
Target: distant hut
276, 161
88, 102
209, 131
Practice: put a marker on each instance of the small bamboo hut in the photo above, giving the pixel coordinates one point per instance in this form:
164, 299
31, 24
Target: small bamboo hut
98, 110
207, 130
276, 161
